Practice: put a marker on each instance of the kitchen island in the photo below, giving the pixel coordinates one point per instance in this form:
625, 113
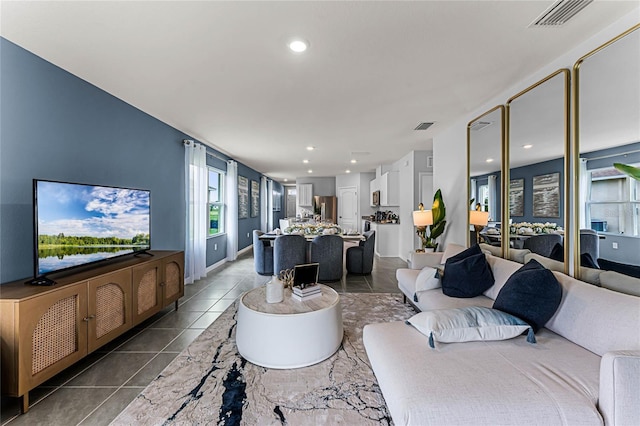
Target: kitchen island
387, 239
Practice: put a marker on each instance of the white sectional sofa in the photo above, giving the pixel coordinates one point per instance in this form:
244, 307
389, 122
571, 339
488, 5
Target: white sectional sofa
584, 368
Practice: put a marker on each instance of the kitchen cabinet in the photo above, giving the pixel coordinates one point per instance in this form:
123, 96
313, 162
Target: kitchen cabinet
387, 239
374, 186
389, 186
305, 194
389, 189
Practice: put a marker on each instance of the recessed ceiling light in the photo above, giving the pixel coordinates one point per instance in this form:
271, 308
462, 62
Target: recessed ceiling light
347, 171
305, 161
527, 146
298, 45
311, 148
286, 180
489, 160
354, 161
309, 171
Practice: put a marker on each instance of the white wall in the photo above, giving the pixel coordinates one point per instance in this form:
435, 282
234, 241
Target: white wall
409, 168
450, 145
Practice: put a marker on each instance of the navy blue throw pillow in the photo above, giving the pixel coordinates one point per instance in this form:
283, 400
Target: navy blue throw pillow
467, 277
532, 293
475, 249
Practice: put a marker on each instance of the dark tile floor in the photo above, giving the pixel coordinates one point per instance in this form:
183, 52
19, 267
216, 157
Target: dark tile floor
96, 389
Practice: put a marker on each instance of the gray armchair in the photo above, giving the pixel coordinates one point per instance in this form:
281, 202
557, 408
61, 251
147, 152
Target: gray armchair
289, 251
542, 244
262, 254
327, 251
360, 258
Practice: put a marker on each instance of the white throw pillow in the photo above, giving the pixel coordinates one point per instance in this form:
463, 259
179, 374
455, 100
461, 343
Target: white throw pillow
469, 324
427, 279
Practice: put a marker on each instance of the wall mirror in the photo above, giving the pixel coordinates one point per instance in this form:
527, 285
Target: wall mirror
607, 130
536, 186
485, 137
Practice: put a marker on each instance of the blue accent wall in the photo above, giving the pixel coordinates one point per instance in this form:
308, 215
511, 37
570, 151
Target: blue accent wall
56, 126
528, 172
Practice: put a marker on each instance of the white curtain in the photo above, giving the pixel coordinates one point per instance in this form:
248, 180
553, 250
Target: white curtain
195, 166
585, 189
232, 210
474, 196
270, 205
493, 179
264, 204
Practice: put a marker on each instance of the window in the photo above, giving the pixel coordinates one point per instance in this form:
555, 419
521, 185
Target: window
216, 202
614, 203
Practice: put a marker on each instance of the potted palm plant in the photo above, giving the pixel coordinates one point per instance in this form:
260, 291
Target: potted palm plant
436, 229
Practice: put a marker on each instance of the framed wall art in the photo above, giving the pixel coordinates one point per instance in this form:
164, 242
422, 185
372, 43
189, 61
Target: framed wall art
516, 197
546, 195
243, 197
255, 198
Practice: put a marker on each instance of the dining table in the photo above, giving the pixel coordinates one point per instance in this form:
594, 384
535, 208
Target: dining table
347, 237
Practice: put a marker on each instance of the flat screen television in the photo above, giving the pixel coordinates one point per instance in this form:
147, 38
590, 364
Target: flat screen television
77, 224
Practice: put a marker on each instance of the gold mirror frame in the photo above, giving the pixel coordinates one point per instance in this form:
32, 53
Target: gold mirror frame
501, 109
567, 160
575, 201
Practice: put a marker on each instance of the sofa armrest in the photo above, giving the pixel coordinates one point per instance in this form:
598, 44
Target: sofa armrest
420, 260
620, 388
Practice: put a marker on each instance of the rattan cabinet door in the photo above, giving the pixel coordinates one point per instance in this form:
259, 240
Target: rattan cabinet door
173, 277
147, 292
53, 334
110, 307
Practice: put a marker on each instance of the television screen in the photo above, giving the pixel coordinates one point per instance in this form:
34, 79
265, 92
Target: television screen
76, 224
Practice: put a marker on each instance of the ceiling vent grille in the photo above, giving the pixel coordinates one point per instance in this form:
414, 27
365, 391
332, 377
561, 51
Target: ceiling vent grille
560, 12
423, 126
479, 125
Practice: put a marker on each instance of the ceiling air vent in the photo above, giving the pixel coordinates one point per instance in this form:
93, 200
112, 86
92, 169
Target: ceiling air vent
479, 125
423, 126
559, 13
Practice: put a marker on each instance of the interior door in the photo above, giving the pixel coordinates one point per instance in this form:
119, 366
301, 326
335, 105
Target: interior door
348, 208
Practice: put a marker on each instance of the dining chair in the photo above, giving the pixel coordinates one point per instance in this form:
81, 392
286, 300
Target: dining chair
542, 244
289, 251
262, 254
590, 243
327, 250
360, 258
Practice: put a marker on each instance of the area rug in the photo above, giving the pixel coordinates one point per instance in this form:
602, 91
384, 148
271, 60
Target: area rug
210, 383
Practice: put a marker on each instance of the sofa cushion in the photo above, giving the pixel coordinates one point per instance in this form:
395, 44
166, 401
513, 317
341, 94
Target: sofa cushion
467, 274
608, 265
532, 293
469, 324
620, 282
407, 280
508, 382
451, 250
595, 318
427, 279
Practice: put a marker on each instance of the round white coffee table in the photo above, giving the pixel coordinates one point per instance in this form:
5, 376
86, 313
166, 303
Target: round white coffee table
289, 334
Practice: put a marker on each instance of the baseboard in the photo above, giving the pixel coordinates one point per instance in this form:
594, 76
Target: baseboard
223, 261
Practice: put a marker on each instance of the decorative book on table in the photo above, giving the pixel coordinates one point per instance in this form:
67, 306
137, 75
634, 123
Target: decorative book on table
302, 298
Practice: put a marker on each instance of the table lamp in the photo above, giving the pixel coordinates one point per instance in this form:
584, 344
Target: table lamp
421, 219
479, 220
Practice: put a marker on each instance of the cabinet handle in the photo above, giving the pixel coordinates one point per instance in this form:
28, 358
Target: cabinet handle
90, 317
161, 284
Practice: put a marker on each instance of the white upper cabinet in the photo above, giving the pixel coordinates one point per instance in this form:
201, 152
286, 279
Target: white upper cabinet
389, 189
305, 194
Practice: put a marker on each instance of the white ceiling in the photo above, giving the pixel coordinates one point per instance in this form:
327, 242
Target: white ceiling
221, 72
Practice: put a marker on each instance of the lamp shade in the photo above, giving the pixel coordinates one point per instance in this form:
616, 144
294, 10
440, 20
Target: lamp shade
478, 218
422, 218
